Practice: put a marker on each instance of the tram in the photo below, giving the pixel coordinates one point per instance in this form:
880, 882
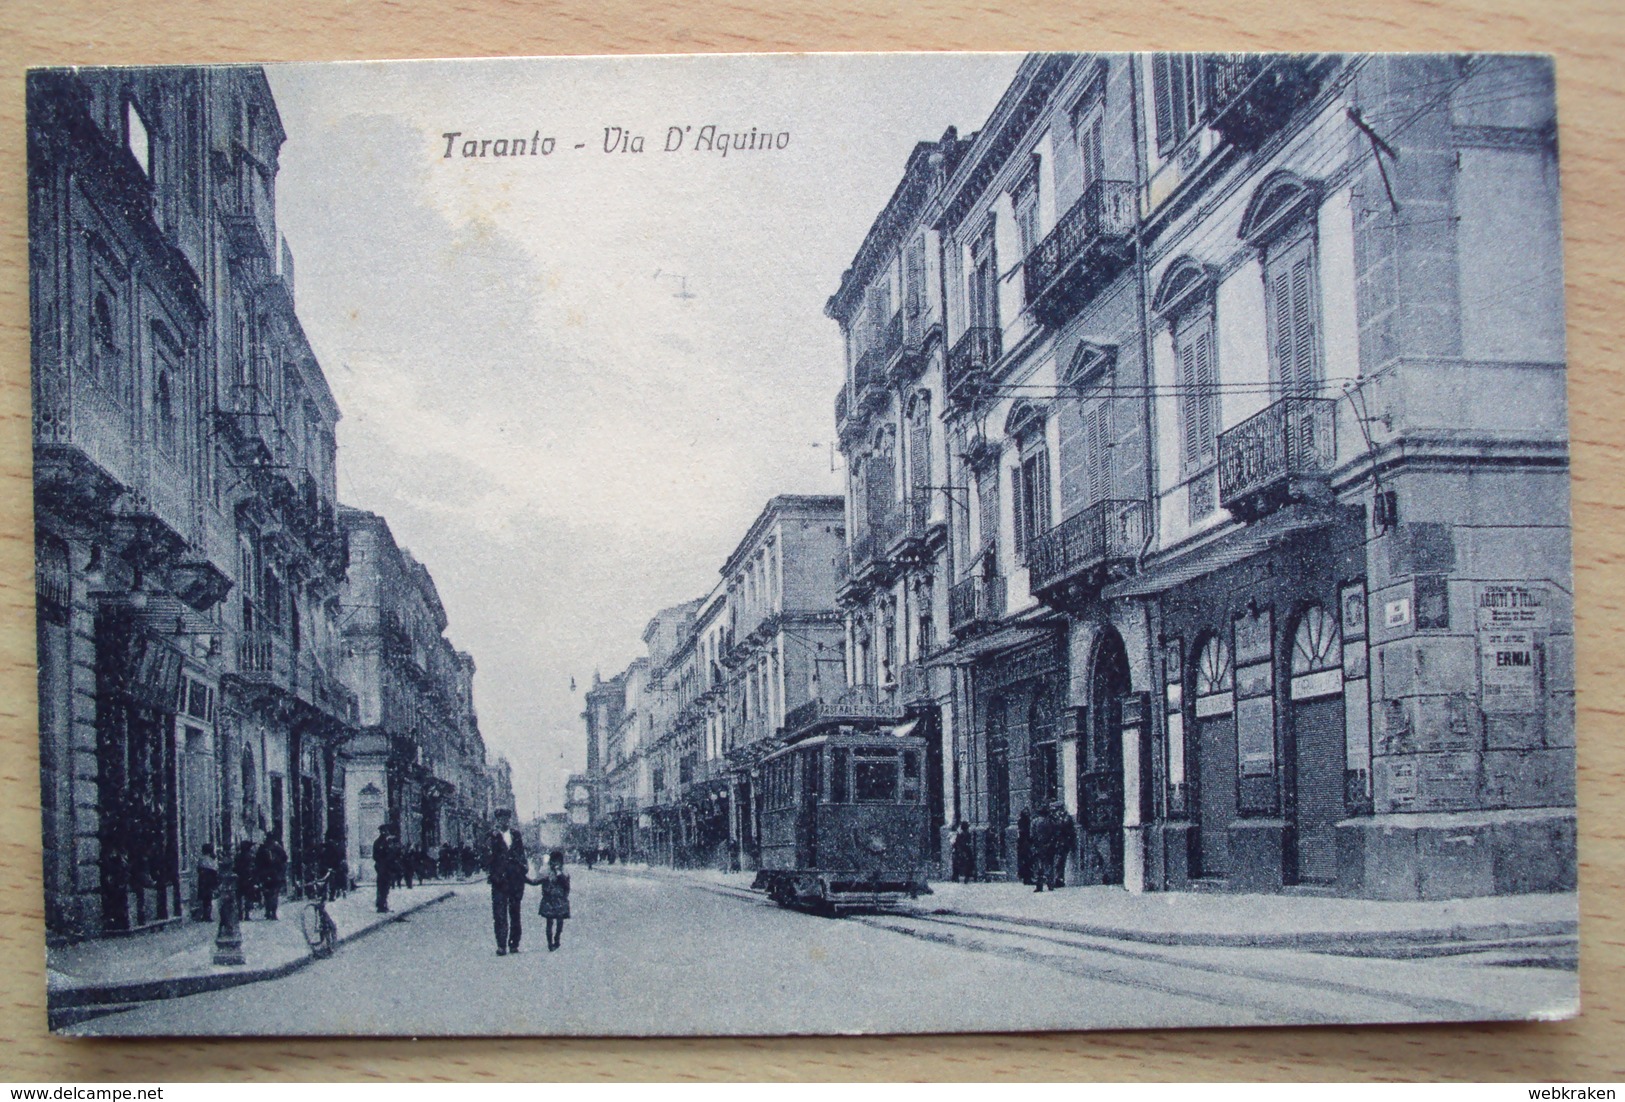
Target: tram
843, 821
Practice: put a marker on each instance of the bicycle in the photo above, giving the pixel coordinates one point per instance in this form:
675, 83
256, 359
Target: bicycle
321, 933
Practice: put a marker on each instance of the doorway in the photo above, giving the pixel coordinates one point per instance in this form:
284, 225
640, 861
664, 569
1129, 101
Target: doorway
1100, 765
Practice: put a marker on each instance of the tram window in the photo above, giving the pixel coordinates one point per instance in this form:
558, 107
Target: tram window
811, 775
911, 776
875, 779
838, 777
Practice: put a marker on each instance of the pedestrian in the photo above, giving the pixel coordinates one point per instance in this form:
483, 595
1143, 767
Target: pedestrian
208, 882
333, 867
1024, 846
1066, 838
507, 874
247, 885
555, 906
964, 854
383, 866
1043, 850
271, 871
406, 873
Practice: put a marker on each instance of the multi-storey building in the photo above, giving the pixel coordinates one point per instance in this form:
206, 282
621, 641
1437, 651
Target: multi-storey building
187, 543
625, 801
782, 639
1255, 394
418, 762
895, 576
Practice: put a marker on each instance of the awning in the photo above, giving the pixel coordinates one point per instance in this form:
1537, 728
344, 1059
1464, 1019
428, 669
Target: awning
1006, 637
1235, 546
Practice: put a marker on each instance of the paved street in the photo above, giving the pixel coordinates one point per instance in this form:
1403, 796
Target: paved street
652, 955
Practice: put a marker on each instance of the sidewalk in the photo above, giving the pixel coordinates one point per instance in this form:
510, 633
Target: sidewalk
179, 961
1233, 920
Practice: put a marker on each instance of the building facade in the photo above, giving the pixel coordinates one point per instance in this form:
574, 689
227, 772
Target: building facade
188, 550
1254, 404
898, 567
418, 761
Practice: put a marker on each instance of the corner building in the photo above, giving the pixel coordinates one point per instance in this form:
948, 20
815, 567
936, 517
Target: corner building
1257, 471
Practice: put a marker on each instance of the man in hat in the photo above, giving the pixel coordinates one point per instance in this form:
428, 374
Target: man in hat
383, 865
506, 871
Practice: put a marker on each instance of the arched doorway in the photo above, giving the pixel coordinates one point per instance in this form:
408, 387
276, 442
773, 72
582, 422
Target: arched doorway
1100, 762
1213, 739
1316, 745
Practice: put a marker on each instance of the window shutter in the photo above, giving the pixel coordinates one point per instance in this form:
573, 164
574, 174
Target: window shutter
1206, 395
1189, 418
1023, 516
1303, 324
988, 499
1280, 292
1097, 453
1040, 492
1162, 89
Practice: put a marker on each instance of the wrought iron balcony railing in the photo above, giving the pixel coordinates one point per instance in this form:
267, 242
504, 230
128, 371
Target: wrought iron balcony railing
852, 703
840, 406
1086, 248
975, 602
1254, 94
970, 364
265, 658
1084, 546
1273, 456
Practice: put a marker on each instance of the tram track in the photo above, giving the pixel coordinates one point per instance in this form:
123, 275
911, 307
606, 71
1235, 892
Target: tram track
1272, 993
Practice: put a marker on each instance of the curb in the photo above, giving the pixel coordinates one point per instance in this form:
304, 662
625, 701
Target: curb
142, 991
1338, 941
1315, 941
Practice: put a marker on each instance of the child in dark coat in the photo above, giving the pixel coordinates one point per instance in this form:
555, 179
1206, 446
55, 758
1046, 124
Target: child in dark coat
555, 906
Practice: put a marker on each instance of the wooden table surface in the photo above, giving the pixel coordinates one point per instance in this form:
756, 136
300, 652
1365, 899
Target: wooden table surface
1588, 40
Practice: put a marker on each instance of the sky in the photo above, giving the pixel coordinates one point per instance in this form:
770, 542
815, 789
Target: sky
547, 420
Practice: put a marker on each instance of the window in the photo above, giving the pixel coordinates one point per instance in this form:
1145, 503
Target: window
1198, 402
1087, 122
984, 281
1315, 645
1215, 677
104, 350
1293, 323
138, 138
838, 786
1097, 435
987, 497
1025, 203
914, 277
874, 778
1179, 93
1030, 483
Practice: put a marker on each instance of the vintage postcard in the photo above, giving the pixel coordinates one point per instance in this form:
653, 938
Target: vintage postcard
802, 544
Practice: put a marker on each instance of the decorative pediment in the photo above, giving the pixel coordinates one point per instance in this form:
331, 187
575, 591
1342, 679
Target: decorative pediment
1280, 202
1025, 419
1186, 283
1090, 363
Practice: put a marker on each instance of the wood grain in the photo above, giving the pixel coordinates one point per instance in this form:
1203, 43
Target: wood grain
1588, 40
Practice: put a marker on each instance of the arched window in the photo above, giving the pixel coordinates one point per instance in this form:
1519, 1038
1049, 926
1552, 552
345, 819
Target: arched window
1215, 676
1280, 221
1316, 645
164, 414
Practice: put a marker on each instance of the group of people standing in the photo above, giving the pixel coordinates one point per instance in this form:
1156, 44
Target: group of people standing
1043, 841
261, 871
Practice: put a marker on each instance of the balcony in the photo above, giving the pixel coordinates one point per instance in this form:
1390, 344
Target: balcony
970, 364
325, 692
1082, 552
84, 454
1088, 246
870, 548
852, 704
252, 428
869, 379
975, 603
913, 684
1284, 453
1254, 94
264, 658
840, 407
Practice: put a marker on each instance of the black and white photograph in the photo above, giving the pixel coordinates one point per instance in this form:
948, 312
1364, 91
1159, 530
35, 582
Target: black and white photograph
802, 544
